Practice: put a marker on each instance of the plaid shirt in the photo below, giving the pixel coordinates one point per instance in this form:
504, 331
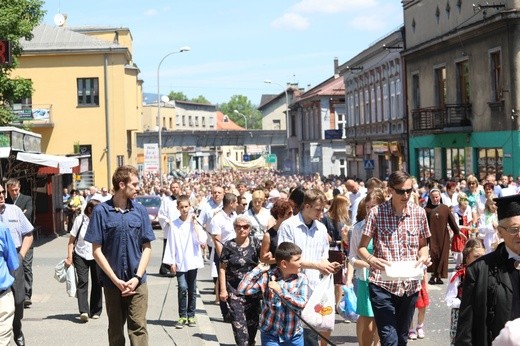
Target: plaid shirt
276, 318
396, 238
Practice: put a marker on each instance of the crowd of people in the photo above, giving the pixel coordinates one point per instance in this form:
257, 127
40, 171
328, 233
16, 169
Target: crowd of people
270, 237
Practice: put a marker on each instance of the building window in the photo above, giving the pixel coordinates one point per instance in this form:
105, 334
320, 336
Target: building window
183, 120
416, 92
463, 85
177, 120
455, 163
490, 161
276, 124
426, 157
190, 121
203, 121
211, 122
496, 80
88, 92
197, 121
341, 124
293, 125
440, 86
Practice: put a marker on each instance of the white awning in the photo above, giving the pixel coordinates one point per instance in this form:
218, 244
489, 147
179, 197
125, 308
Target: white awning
63, 163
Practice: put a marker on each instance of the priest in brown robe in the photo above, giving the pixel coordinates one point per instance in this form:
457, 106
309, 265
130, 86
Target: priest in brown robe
439, 217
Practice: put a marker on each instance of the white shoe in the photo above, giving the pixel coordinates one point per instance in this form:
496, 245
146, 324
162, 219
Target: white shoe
84, 317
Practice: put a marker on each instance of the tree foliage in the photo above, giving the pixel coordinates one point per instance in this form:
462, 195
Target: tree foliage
17, 20
177, 96
200, 99
244, 106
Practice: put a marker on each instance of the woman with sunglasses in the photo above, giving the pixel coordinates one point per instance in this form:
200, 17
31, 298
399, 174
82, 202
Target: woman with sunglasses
239, 256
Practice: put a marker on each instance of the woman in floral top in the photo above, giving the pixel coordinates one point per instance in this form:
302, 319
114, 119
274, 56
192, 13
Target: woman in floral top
239, 256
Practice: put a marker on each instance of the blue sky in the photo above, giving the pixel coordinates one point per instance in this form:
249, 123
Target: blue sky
237, 44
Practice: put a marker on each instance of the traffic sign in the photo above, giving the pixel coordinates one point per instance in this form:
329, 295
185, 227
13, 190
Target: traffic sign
271, 158
369, 164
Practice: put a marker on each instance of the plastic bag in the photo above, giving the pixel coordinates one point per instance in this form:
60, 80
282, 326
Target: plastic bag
60, 272
348, 305
319, 311
71, 281
67, 274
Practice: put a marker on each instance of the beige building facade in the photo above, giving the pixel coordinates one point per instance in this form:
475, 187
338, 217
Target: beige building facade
87, 97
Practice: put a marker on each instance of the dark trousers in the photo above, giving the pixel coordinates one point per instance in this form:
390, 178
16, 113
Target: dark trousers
165, 268
186, 292
393, 314
223, 305
310, 338
244, 312
83, 267
19, 296
28, 273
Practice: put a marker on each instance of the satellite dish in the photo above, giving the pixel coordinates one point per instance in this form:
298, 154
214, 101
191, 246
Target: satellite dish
165, 99
59, 19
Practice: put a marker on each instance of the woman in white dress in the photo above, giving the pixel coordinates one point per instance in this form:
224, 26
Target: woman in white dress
259, 216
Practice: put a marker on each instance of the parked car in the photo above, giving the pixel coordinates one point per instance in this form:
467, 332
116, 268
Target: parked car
152, 205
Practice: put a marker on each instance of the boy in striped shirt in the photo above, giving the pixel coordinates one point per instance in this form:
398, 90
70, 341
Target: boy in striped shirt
279, 325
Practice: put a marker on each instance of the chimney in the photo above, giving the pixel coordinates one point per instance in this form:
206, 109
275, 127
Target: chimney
336, 66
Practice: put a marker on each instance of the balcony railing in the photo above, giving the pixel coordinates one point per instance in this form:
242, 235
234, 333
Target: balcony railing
435, 118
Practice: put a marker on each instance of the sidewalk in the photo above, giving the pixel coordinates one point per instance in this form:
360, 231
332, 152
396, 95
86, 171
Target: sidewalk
53, 318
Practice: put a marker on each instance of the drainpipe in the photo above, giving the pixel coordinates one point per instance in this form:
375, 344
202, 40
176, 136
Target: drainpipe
107, 124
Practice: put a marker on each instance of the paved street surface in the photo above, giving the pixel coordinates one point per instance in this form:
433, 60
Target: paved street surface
53, 319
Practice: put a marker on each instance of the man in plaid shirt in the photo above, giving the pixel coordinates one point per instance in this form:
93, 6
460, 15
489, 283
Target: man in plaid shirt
399, 230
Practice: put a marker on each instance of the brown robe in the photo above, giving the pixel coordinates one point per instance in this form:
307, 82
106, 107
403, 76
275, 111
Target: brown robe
438, 219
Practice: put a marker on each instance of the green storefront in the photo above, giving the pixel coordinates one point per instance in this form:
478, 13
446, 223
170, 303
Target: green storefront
456, 155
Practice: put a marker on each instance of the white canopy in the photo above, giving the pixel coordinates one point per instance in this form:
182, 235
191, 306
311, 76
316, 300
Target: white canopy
63, 163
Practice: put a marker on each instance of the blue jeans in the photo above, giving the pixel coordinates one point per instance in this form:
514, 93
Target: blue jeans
393, 314
272, 340
186, 292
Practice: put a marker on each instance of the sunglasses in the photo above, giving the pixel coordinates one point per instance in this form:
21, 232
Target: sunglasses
402, 192
241, 226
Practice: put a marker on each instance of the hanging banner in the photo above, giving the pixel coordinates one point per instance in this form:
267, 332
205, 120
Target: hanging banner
151, 157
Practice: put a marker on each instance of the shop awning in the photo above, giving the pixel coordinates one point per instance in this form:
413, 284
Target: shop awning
63, 164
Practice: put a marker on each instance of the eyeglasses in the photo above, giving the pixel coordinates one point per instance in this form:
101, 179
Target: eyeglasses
463, 199
241, 226
511, 230
402, 192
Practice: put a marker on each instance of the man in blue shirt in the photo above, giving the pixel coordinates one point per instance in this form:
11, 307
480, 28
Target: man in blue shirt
121, 235
21, 233
8, 263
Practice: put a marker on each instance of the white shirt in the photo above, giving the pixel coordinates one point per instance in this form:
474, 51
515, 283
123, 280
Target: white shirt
222, 224
83, 248
183, 246
313, 241
167, 213
17, 223
258, 229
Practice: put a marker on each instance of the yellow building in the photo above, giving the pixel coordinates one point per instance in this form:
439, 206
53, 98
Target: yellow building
87, 96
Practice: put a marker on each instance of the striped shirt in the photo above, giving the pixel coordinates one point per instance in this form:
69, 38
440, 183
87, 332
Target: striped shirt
313, 241
396, 238
276, 318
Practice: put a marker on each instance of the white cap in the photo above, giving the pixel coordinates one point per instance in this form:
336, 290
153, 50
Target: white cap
97, 197
274, 194
509, 335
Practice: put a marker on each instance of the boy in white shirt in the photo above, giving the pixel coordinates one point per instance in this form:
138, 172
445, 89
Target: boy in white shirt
184, 250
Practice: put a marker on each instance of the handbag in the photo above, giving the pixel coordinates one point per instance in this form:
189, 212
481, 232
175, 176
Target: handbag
319, 311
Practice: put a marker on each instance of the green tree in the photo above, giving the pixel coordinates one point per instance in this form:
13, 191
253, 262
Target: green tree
200, 99
177, 96
17, 20
244, 106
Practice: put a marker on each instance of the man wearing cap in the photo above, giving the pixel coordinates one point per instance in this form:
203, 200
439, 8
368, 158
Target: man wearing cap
491, 290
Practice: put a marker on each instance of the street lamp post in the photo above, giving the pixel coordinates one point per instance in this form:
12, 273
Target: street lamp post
245, 118
181, 50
